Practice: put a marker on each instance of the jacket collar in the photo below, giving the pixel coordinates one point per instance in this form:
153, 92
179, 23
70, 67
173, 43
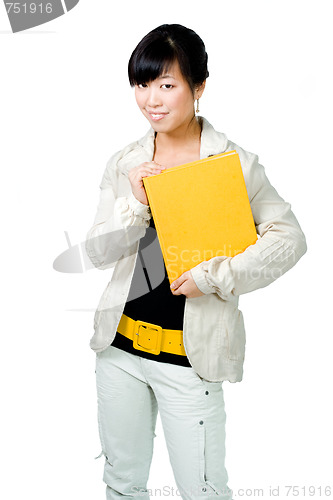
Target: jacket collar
212, 143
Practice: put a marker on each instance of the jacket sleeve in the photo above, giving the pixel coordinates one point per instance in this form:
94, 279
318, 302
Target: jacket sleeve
280, 245
119, 221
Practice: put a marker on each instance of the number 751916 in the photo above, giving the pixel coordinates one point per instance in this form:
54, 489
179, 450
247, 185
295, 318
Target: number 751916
28, 7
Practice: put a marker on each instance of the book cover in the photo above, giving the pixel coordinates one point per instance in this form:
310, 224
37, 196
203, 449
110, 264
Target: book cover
201, 210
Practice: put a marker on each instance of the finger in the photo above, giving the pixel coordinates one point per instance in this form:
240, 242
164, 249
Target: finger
149, 171
156, 171
155, 165
174, 285
145, 173
180, 280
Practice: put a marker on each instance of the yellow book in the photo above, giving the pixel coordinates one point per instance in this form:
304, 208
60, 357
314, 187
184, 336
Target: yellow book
201, 210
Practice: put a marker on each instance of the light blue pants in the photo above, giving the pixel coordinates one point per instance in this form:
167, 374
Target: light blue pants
130, 391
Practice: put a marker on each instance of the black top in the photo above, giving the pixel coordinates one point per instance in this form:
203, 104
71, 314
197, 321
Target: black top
150, 298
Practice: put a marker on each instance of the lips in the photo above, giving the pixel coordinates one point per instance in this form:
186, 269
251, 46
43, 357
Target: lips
156, 116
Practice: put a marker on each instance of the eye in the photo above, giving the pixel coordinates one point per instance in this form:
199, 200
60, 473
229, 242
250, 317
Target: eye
167, 86
142, 85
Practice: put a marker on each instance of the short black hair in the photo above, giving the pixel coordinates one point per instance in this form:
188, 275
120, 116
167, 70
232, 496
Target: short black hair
164, 45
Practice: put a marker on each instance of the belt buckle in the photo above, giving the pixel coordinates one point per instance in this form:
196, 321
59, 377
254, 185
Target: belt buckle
149, 334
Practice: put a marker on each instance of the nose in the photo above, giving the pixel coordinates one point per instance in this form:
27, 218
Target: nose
153, 98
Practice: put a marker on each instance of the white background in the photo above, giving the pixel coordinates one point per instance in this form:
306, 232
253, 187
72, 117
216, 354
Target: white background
66, 107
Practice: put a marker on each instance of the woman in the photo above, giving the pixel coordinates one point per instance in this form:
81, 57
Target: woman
168, 69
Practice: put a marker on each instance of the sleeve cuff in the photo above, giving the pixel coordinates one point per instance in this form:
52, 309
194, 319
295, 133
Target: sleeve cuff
139, 208
199, 278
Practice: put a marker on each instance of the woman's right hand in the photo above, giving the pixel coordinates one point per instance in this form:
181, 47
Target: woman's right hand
136, 175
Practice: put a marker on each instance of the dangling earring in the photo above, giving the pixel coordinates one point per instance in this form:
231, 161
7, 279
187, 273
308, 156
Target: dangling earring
197, 110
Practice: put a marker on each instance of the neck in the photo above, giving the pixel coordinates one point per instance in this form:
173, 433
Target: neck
183, 136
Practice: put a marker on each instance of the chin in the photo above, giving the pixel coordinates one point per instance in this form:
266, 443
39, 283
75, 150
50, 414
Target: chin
159, 127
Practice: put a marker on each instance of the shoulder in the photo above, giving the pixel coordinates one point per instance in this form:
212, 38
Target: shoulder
253, 172
215, 142
111, 170
247, 158
249, 161
131, 155
124, 153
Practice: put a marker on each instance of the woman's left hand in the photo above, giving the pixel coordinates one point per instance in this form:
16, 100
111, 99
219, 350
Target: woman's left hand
185, 285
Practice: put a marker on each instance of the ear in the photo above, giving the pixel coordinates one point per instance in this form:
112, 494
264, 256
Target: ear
199, 90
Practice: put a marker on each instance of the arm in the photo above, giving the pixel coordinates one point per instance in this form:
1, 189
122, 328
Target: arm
119, 222
280, 245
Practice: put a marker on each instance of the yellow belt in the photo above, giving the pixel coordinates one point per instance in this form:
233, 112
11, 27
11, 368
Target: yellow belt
151, 338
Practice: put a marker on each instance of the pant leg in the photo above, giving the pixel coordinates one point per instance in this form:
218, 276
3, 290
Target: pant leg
193, 418
127, 411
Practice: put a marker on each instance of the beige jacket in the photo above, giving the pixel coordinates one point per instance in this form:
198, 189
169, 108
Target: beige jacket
213, 328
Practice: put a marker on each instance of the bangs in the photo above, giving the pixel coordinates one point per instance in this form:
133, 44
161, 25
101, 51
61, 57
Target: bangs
150, 63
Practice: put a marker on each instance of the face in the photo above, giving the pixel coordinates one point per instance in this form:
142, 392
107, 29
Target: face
168, 101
